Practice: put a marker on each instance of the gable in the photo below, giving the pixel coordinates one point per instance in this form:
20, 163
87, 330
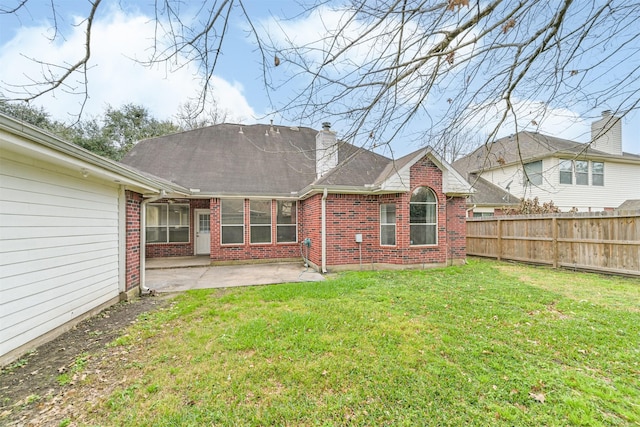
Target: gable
397, 176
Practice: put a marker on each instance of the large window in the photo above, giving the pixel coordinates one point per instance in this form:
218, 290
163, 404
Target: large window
582, 172
232, 221
286, 222
260, 221
167, 223
388, 224
597, 173
423, 212
566, 172
580, 169
533, 173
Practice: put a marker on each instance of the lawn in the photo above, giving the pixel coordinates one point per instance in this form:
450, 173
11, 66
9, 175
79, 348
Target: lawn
483, 344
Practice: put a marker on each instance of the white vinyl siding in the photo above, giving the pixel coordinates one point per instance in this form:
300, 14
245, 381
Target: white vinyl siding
58, 248
622, 182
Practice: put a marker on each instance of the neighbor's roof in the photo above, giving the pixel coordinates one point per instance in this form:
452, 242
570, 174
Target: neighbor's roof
525, 147
629, 205
488, 194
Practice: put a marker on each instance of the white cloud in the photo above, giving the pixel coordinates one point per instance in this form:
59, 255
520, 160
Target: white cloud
115, 78
533, 116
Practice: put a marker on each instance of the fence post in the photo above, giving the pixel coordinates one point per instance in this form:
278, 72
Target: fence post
499, 239
554, 231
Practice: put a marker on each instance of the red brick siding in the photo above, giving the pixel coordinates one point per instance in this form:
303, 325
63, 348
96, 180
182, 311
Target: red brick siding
246, 250
311, 226
347, 215
132, 275
157, 250
457, 227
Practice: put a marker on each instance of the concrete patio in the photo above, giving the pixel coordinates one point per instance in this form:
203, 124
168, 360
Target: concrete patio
183, 273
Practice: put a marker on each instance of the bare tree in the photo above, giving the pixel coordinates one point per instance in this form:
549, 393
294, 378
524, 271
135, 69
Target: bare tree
191, 115
379, 67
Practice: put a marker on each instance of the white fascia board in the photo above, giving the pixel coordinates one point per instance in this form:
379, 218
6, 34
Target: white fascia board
452, 182
25, 137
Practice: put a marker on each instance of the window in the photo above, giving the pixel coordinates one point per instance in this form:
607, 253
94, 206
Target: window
423, 217
597, 173
582, 172
167, 223
260, 221
388, 224
286, 222
482, 214
566, 172
533, 173
232, 221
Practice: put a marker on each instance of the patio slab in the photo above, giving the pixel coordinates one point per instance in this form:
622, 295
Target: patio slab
182, 279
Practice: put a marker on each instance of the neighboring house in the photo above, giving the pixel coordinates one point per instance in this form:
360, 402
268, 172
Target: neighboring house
260, 192
589, 177
69, 234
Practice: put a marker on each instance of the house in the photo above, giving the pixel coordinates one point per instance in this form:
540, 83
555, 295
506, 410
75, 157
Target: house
590, 177
69, 234
267, 192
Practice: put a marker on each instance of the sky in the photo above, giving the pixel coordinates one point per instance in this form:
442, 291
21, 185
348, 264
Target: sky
122, 34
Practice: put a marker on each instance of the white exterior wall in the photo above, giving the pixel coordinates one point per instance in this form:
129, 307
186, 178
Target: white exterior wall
58, 247
621, 182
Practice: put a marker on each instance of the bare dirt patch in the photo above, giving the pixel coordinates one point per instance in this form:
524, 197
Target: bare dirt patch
32, 387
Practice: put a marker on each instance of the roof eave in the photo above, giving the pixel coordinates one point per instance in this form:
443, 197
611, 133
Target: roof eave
113, 169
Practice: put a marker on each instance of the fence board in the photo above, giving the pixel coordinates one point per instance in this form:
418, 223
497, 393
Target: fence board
608, 242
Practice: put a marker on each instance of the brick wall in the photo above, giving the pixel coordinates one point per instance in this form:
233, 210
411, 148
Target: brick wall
156, 250
311, 226
457, 227
132, 275
348, 215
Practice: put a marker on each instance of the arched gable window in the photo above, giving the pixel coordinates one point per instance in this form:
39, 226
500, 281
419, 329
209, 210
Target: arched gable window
423, 209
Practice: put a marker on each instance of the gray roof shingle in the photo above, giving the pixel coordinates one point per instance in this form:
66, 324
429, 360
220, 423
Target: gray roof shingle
262, 159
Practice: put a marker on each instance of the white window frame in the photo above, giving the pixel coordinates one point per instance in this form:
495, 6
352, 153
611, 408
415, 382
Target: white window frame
260, 225
294, 212
583, 174
593, 174
565, 171
233, 224
168, 225
432, 224
388, 224
532, 177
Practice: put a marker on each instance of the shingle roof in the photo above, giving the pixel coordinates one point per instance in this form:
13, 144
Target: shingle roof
630, 205
488, 194
253, 159
523, 147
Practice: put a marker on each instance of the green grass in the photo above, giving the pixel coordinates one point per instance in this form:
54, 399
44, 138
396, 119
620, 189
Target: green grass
483, 344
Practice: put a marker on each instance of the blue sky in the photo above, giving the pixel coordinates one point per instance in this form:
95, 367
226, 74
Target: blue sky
122, 33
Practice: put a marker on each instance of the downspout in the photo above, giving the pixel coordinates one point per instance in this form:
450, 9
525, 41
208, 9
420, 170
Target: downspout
143, 238
324, 231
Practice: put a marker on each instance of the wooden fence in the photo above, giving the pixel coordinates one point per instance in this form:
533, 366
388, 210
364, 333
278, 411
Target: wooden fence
608, 242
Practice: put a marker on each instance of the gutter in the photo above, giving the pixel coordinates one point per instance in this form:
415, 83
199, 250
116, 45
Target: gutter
324, 231
143, 239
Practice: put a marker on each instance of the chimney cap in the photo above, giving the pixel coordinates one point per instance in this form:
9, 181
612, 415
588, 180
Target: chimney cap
606, 113
326, 125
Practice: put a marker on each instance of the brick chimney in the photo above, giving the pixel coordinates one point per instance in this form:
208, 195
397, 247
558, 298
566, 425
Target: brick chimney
606, 134
326, 150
